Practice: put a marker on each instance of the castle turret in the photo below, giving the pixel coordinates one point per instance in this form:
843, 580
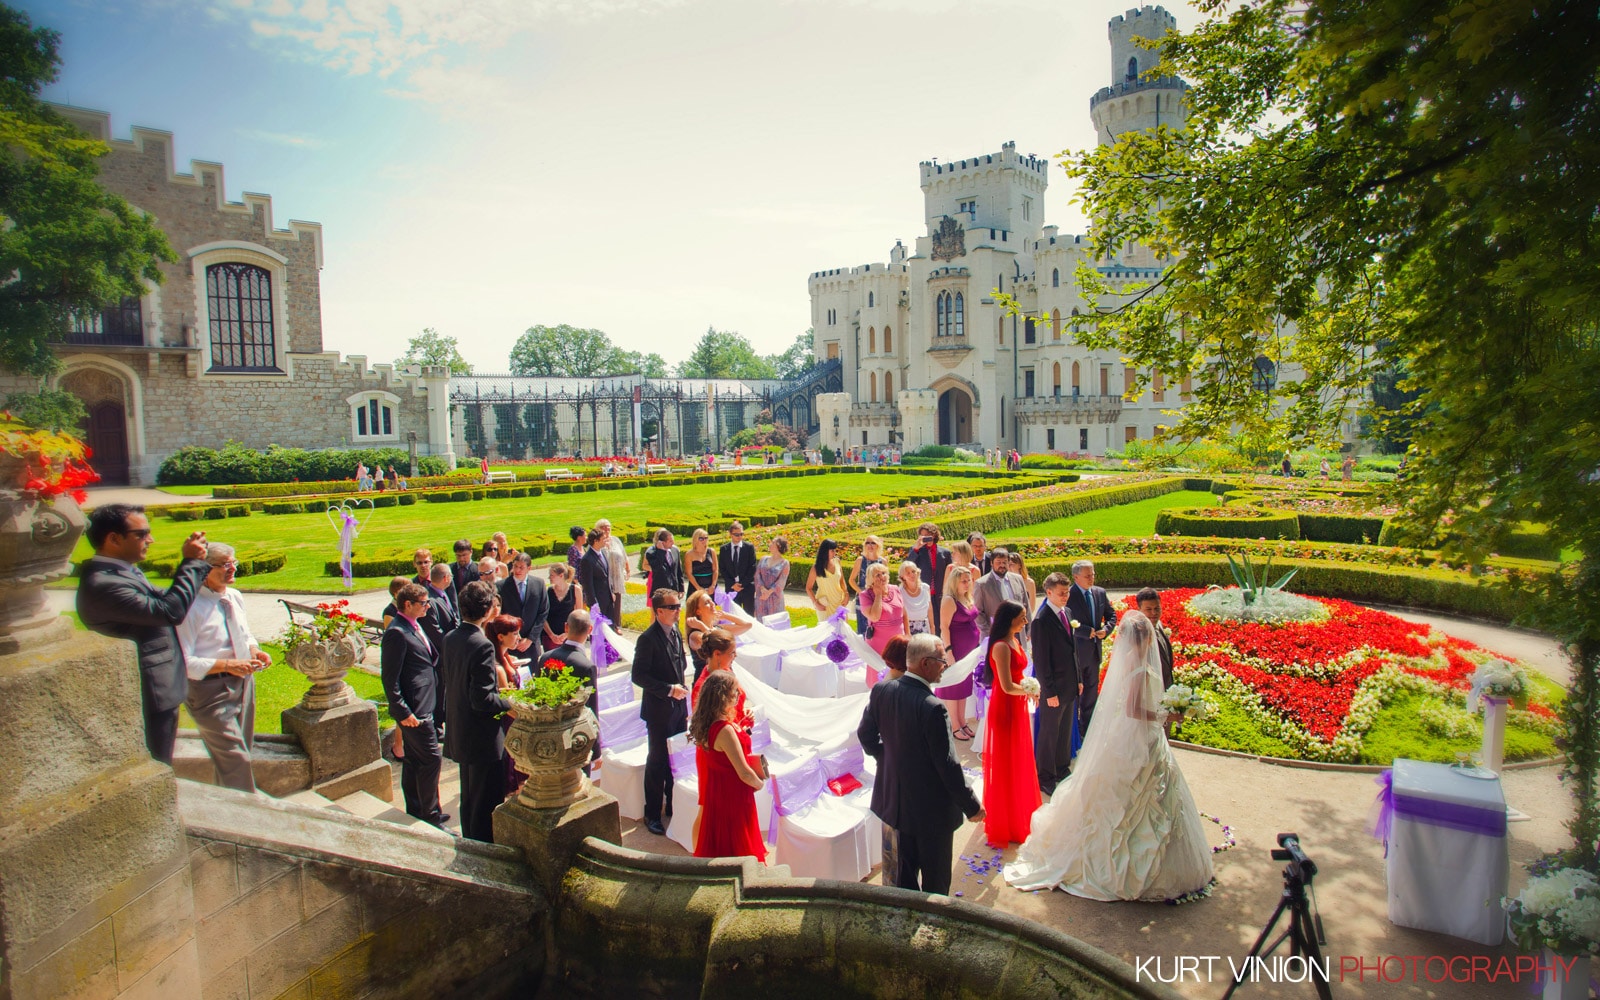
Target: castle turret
1136, 99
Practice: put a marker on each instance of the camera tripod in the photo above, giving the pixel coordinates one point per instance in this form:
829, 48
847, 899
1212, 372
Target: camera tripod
1305, 925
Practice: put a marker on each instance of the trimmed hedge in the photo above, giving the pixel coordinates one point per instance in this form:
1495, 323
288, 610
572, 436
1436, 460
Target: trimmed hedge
1349, 528
249, 565
1519, 543
1036, 511
1447, 591
1187, 521
234, 463
261, 491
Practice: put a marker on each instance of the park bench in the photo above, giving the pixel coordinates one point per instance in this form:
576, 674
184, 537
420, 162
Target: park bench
371, 631
503, 476
728, 468
561, 474
657, 468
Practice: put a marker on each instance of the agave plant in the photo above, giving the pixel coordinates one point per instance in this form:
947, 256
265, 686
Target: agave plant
1252, 589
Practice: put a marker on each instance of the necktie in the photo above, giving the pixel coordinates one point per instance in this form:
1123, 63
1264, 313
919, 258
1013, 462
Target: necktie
522, 591
1066, 622
227, 626
422, 635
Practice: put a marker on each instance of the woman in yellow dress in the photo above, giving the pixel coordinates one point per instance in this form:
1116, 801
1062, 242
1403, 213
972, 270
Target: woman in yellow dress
825, 584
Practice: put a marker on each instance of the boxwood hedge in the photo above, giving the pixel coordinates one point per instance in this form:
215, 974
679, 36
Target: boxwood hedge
1280, 524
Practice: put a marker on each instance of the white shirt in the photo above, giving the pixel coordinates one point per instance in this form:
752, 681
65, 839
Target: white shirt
205, 636
920, 680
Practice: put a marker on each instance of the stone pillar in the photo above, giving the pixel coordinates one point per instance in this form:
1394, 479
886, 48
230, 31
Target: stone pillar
832, 408
436, 380
342, 743
550, 838
919, 417
95, 892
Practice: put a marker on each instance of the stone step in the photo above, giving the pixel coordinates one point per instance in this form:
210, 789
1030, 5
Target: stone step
280, 765
369, 806
306, 797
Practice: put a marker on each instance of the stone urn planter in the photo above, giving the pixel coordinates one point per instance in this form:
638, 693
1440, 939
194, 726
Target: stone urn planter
36, 539
551, 746
325, 663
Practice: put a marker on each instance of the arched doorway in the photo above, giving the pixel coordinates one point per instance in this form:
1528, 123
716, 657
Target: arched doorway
955, 417
106, 434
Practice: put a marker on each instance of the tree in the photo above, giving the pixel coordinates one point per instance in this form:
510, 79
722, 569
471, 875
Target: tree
650, 365
431, 348
563, 350
67, 246
725, 354
1413, 191
797, 360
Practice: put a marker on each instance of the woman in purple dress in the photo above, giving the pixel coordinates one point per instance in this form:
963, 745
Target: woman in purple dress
772, 576
959, 621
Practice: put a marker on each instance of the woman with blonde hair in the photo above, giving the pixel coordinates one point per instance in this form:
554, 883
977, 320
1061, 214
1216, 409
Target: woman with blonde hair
959, 627
871, 555
702, 562
916, 598
700, 616
772, 575
884, 610
960, 559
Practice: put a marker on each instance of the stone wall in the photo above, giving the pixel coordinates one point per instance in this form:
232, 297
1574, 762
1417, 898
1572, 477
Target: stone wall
292, 901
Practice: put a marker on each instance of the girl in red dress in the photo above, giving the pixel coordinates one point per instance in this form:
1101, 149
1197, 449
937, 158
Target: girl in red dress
1010, 779
728, 826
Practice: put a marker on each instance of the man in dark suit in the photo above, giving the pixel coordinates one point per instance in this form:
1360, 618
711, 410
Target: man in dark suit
736, 563
409, 662
522, 595
920, 790
463, 571
665, 563
1092, 609
474, 739
441, 616
982, 557
658, 668
933, 560
594, 576
1149, 602
423, 560
115, 599
1055, 666
572, 654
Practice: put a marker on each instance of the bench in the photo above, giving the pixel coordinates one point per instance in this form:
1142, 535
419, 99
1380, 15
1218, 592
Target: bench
504, 476
728, 468
371, 629
561, 474
656, 468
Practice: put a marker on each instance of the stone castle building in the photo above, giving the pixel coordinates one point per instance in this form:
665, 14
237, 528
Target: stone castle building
230, 346
930, 356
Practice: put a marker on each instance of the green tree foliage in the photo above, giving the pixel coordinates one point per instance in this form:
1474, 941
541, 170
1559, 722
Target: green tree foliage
1398, 185
650, 365
67, 246
432, 348
725, 354
797, 360
53, 409
568, 350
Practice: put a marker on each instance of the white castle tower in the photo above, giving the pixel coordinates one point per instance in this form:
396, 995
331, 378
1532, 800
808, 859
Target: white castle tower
1137, 99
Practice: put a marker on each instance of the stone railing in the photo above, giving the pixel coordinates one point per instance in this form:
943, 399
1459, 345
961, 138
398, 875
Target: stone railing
631, 923
1066, 407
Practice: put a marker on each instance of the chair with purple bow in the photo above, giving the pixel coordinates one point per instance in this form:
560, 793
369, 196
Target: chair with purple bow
817, 834
685, 790
623, 749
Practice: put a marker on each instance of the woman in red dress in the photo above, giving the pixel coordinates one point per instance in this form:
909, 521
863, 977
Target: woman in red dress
1010, 779
728, 826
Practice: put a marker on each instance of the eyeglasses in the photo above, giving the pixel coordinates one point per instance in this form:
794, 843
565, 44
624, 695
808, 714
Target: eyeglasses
669, 607
226, 565
137, 533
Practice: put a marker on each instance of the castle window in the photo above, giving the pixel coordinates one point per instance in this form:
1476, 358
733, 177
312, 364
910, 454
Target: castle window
239, 300
888, 340
1077, 377
1027, 209
1055, 378
1027, 382
872, 340
1055, 324
961, 320
872, 383
1028, 332
1055, 277
1133, 70
869, 300
372, 416
120, 324
941, 326
888, 387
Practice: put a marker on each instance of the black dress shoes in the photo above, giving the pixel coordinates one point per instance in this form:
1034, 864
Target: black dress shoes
655, 827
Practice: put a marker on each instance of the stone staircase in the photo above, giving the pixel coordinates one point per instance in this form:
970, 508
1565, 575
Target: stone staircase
363, 804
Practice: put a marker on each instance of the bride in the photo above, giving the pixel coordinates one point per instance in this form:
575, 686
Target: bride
1123, 825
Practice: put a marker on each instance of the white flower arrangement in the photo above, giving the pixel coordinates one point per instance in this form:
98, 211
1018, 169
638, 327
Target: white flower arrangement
1559, 911
1030, 687
1185, 701
1497, 679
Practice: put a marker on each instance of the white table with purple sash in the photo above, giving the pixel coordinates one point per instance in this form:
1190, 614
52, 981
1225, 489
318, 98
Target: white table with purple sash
1448, 860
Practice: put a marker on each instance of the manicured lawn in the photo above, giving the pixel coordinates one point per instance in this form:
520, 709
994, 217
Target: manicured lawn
1126, 519
187, 491
309, 540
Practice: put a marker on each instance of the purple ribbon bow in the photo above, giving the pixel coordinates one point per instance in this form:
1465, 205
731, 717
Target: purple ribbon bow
347, 540
600, 650
793, 791
848, 759
683, 761
1452, 815
723, 599
760, 735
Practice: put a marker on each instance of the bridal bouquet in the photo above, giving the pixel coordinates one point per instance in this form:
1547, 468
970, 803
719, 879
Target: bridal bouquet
1559, 911
1497, 679
1183, 700
1030, 687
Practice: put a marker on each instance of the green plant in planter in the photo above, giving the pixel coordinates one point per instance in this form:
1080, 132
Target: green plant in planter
549, 689
1250, 589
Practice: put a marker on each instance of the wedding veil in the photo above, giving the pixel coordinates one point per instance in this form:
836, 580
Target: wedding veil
1127, 716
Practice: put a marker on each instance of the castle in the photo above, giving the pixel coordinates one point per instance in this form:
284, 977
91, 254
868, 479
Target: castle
932, 358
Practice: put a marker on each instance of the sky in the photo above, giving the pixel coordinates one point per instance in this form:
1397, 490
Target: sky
649, 168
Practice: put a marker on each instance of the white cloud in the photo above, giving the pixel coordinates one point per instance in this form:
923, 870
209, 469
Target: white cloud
283, 138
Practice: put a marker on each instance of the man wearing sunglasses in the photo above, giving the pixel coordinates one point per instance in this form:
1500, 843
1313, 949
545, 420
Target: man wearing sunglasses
658, 668
116, 599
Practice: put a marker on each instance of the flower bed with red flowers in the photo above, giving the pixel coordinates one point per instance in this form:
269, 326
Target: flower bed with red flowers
1321, 686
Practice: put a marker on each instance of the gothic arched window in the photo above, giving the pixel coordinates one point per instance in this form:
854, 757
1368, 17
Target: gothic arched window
872, 340
239, 301
888, 387
1055, 324
872, 383
961, 317
888, 340
1133, 69
1055, 277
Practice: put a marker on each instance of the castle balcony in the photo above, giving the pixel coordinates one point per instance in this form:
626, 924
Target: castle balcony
1069, 409
1139, 86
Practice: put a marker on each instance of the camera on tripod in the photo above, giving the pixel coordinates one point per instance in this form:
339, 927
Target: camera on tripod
1301, 868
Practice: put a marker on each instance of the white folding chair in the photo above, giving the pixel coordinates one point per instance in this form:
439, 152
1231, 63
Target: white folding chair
763, 661
685, 790
818, 835
843, 756
777, 620
809, 673
614, 689
623, 750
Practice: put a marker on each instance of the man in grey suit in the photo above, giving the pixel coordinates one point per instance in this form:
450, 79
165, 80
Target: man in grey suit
115, 599
996, 587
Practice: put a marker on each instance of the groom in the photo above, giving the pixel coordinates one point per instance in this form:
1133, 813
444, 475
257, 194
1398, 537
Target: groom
1055, 665
1089, 606
920, 792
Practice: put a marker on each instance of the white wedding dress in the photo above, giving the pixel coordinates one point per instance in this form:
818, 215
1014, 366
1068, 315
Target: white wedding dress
1123, 825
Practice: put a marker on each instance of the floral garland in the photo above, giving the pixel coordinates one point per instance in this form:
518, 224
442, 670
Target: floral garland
1193, 894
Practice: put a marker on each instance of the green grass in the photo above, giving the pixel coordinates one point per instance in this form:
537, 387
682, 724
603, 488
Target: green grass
187, 491
280, 686
1232, 728
309, 541
1398, 732
1125, 519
